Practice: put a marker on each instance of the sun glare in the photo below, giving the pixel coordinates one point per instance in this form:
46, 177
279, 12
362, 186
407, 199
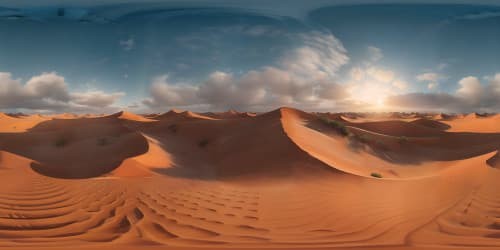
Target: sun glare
370, 94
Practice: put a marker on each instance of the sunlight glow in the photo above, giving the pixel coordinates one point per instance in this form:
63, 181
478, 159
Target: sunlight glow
371, 94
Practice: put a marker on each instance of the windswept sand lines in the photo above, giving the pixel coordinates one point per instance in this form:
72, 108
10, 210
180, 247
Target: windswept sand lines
46, 210
210, 214
473, 222
201, 215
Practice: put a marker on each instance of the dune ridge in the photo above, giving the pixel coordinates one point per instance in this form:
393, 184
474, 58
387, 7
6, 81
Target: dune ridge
282, 179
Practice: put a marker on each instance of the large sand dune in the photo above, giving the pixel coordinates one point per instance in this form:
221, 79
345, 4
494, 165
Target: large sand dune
285, 179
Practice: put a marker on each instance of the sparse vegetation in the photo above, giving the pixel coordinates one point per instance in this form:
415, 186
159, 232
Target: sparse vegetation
203, 143
376, 175
338, 125
402, 139
61, 142
173, 128
363, 138
102, 141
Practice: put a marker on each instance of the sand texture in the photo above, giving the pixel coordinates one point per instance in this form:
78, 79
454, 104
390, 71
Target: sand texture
285, 179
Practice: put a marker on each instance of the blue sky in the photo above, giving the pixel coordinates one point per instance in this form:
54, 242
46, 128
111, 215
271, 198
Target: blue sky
258, 55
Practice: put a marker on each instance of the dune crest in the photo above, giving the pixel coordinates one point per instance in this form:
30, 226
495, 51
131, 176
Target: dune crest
124, 115
155, 159
10, 124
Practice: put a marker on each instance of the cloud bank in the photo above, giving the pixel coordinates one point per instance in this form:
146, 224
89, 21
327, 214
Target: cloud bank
49, 92
472, 95
304, 77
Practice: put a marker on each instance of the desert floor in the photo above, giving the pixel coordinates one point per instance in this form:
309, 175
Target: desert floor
283, 179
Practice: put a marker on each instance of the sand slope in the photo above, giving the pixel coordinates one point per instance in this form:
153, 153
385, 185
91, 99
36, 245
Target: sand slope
474, 123
280, 180
11, 124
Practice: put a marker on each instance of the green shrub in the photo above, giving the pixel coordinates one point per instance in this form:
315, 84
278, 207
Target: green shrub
203, 143
61, 142
376, 175
338, 125
173, 128
363, 138
402, 139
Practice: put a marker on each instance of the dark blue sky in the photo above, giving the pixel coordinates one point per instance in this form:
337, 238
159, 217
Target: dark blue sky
326, 56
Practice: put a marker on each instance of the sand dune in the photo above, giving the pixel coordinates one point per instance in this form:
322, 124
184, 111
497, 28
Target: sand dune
18, 124
431, 123
230, 114
177, 114
130, 116
282, 179
474, 123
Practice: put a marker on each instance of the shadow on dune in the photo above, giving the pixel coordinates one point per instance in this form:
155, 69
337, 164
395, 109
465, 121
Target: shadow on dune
76, 148
280, 143
495, 160
413, 142
218, 149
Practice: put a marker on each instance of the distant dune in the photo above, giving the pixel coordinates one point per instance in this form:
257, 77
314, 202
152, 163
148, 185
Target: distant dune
284, 179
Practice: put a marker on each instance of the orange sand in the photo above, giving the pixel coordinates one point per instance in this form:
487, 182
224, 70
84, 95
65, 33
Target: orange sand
279, 180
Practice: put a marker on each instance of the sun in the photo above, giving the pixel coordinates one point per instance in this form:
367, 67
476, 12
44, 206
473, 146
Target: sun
373, 95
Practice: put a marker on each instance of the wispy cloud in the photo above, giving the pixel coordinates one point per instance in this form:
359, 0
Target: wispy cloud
127, 44
303, 76
432, 79
375, 53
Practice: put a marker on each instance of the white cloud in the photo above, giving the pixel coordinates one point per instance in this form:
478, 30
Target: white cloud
371, 76
481, 15
164, 93
97, 99
320, 57
442, 66
357, 74
49, 92
430, 76
470, 96
432, 79
303, 76
400, 84
127, 44
375, 53
48, 85
432, 85
469, 86
381, 75
477, 94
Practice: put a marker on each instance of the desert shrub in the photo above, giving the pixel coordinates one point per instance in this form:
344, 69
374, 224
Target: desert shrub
363, 138
102, 141
379, 143
173, 128
203, 143
338, 125
376, 175
61, 142
402, 139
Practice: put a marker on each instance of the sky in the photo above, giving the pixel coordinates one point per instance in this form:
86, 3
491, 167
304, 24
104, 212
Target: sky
356, 56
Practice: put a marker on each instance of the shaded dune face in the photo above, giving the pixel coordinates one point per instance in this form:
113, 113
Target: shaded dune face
397, 149
252, 146
278, 143
431, 124
75, 148
418, 141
